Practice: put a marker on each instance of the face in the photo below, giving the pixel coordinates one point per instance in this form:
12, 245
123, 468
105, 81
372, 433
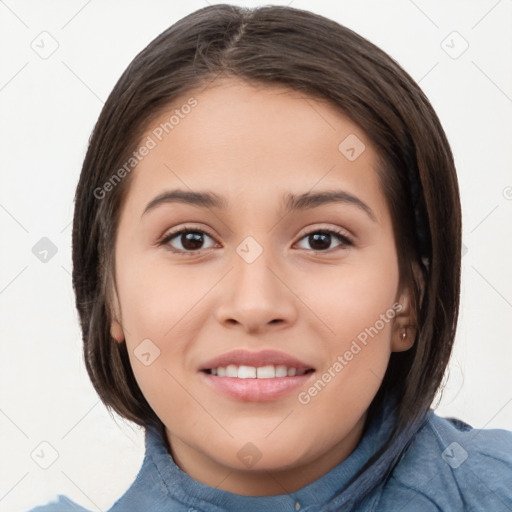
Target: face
259, 322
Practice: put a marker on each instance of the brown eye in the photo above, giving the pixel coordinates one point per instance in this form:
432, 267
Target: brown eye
186, 240
320, 240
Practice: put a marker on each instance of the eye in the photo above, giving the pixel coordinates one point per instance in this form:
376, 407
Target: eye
320, 239
190, 240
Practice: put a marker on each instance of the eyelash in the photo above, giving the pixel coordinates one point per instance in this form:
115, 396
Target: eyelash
339, 235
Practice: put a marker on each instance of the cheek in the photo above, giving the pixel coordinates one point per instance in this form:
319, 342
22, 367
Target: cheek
158, 298
351, 300
160, 304
157, 305
357, 307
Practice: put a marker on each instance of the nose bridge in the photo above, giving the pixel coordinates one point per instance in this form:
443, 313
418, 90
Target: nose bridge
253, 263
256, 295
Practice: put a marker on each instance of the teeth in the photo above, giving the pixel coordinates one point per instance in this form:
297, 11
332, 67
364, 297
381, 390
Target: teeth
246, 372
281, 371
231, 371
266, 372
251, 372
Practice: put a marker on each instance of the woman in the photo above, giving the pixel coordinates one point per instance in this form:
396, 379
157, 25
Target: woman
272, 370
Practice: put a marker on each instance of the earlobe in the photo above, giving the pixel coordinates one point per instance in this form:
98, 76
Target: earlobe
404, 339
116, 331
405, 326
404, 330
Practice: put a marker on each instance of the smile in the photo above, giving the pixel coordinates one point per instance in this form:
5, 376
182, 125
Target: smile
252, 372
256, 376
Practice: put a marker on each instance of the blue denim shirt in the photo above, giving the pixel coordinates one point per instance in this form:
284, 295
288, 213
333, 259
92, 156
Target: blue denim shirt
448, 466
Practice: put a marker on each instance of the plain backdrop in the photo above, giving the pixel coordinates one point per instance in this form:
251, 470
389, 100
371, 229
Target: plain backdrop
59, 62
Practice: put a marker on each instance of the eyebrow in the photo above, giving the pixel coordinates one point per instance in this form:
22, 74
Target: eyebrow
290, 202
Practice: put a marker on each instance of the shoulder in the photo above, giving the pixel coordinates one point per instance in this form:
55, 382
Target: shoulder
450, 465
62, 504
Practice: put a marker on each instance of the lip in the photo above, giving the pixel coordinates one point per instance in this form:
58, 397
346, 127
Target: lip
255, 390
260, 358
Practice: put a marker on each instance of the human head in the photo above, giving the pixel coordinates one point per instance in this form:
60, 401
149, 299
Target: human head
272, 46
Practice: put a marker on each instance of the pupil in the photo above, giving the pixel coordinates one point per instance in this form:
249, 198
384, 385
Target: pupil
315, 238
192, 240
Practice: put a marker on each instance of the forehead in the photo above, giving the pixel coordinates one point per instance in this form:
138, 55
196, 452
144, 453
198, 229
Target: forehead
252, 141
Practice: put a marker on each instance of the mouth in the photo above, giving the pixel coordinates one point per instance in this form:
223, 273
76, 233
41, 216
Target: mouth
256, 376
257, 372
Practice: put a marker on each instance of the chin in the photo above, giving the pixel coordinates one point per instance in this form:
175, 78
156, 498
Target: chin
264, 454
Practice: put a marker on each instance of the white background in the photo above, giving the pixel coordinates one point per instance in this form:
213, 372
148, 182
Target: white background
48, 109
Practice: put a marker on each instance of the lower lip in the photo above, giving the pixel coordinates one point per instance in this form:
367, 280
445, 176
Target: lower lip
256, 390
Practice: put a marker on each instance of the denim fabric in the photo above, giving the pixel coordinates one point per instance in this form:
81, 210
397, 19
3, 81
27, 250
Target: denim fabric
448, 466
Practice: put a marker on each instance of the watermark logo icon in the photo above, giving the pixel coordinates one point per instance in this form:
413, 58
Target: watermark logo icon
44, 44
44, 455
454, 45
249, 249
146, 352
351, 147
454, 455
249, 454
44, 250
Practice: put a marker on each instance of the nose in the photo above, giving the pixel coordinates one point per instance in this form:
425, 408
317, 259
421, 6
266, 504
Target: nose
257, 295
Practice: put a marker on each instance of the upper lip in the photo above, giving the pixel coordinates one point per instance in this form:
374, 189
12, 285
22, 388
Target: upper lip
261, 358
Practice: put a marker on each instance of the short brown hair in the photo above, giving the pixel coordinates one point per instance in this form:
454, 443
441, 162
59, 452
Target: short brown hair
309, 53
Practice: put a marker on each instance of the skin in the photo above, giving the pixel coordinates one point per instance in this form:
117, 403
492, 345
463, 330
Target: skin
253, 144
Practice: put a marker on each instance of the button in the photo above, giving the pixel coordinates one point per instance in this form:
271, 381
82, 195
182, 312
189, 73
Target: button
297, 505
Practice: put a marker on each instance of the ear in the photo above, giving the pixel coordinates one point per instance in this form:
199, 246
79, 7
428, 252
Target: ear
116, 329
405, 326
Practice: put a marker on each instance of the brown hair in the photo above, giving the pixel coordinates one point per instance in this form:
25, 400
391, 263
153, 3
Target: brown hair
309, 53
